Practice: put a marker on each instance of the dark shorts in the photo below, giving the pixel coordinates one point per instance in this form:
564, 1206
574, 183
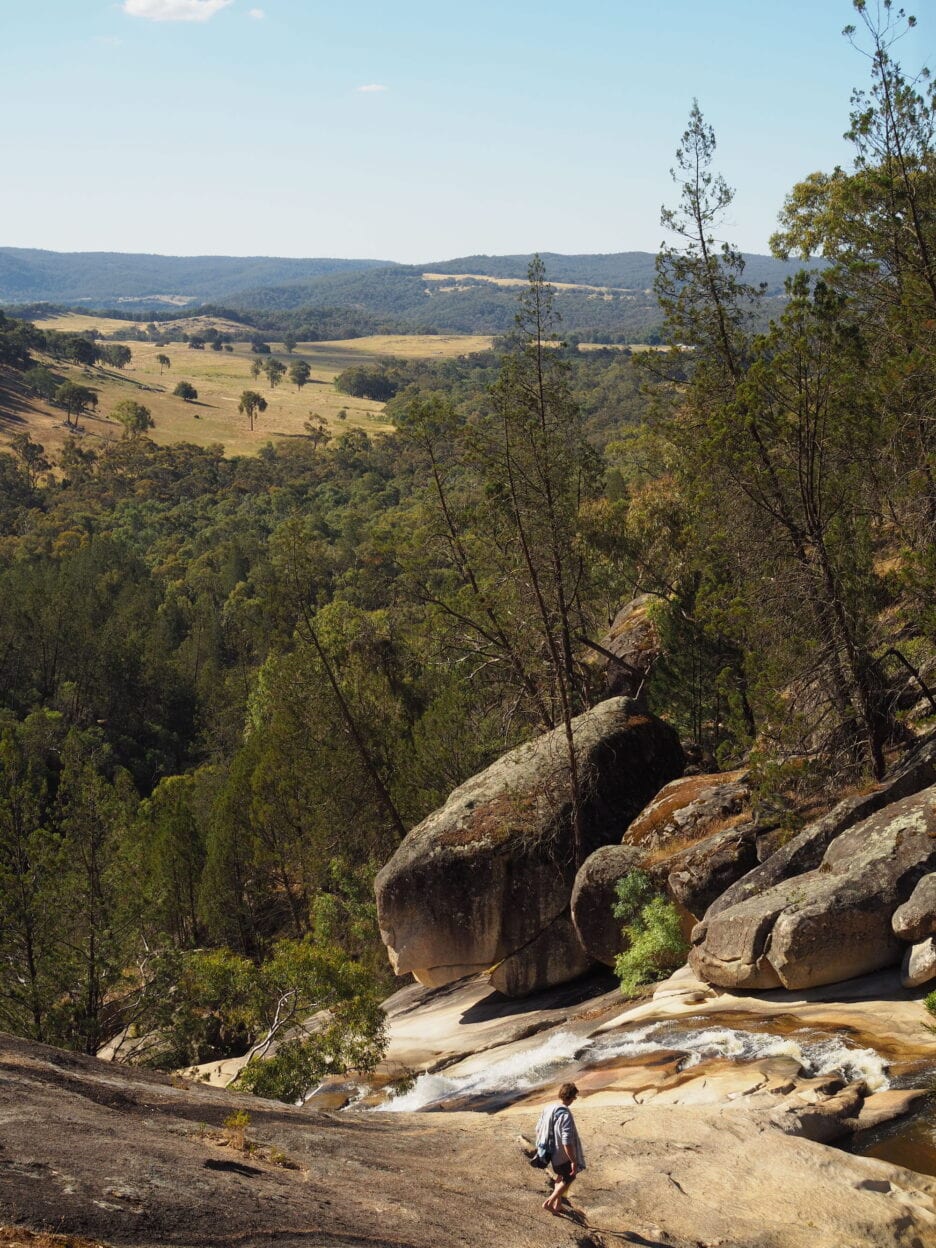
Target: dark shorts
564, 1172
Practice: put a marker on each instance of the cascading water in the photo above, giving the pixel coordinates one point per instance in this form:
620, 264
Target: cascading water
816, 1054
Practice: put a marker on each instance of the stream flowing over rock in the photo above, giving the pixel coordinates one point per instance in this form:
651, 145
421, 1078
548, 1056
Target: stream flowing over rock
485, 881
830, 923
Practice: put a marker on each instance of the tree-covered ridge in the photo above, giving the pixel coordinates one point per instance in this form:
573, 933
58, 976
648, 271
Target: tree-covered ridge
28, 274
344, 298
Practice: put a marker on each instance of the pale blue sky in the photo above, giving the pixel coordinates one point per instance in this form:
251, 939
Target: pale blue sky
501, 127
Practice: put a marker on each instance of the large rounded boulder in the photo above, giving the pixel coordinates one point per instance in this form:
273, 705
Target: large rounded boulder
486, 879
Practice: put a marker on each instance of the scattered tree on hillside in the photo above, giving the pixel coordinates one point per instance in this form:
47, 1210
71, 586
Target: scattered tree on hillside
316, 429
289, 342
250, 404
367, 381
164, 362
82, 351
42, 382
275, 371
135, 418
75, 399
299, 373
185, 390
256, 368
116, 354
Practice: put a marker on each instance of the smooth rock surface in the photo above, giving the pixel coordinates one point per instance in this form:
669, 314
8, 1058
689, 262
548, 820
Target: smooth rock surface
919, 964
485, 875
831, 923
122, 1157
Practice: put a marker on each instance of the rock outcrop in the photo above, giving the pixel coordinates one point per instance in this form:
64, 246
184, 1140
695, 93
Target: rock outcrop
593, 899
483, 880
830, 923
694, 839
631, 647
919, 964
804, 852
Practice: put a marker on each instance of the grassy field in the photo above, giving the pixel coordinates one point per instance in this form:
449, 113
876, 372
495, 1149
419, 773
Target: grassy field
455, 278
220, 377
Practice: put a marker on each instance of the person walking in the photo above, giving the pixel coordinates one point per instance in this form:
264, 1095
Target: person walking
567, 1157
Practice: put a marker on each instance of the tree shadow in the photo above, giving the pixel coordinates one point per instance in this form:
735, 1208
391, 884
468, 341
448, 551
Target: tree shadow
232, 1167
593, 983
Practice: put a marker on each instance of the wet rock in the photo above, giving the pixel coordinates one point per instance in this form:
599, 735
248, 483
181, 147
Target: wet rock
916, 918
919, 964
483, 877
831, 923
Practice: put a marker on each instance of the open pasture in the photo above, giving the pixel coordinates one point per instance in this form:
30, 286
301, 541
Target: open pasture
220, 377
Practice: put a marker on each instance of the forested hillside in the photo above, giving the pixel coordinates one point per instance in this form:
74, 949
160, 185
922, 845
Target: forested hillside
228, 686
100, 278
604, 298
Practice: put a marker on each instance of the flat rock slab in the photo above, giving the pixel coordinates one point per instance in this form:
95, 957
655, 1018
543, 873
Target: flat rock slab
122, 1157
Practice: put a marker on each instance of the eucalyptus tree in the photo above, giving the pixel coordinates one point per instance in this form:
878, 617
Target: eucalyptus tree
251, 402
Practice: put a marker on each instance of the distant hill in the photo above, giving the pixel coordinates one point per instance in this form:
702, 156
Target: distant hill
600, 296
107, 277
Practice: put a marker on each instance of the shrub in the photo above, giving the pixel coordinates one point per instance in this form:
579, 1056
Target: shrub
655, 943
236, 1125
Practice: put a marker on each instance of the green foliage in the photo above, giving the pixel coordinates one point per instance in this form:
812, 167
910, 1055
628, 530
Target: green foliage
185, 390
368, 381
116, 354
299, 373
75, 399
135, 418
655, 943
251, 402
42, 382
305, 1011
275, 371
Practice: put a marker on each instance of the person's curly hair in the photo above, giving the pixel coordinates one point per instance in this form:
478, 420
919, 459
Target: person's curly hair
568, 1092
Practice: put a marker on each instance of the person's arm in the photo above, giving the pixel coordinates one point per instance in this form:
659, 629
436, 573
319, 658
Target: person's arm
566, 1137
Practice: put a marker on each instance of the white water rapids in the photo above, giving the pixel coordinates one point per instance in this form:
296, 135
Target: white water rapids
815, 1053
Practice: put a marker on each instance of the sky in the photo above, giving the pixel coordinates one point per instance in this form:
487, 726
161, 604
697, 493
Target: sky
411, 130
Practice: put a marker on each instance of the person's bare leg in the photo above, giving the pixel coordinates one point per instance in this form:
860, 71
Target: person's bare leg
554, 1202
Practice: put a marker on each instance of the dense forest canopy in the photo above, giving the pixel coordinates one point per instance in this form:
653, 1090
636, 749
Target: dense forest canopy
229, 685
